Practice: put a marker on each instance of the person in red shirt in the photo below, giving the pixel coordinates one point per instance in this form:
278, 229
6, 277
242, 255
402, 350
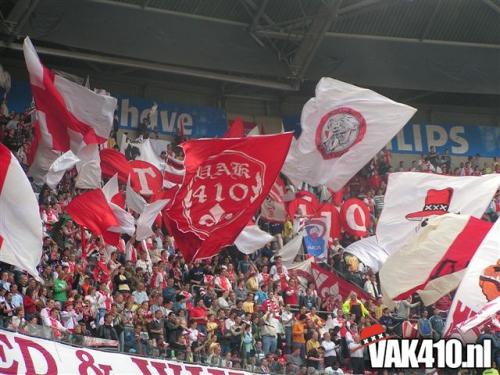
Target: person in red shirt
199, 314
29, 302
292, 293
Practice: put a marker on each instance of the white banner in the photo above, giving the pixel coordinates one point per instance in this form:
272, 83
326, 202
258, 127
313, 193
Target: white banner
412, 197
368, 251
27, 355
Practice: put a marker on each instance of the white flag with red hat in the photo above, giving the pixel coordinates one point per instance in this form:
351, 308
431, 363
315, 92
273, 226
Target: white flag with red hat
435, 260
68, 115
343, 127
412, 197
20, 222
480, 285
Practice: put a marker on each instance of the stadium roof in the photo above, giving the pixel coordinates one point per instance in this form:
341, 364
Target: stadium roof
449, 46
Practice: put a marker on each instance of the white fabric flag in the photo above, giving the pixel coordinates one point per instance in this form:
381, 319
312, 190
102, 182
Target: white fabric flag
343, 128
148, 217
126, 221
290, 250
433, 263
110, 189
134, 201
56, 171
20, 223
89, 168
479, 285
251, 239
369, 252
413, 196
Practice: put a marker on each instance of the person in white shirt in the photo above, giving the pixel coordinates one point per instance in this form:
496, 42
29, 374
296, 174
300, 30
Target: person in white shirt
371, 286
330, 350
45, 313
70, 317
140, 294
357, 361
278, 269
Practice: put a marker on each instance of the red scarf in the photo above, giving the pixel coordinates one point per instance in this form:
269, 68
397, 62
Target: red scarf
55, 329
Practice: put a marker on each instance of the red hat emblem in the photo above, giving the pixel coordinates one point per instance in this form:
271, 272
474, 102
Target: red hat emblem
437, 202
372, 334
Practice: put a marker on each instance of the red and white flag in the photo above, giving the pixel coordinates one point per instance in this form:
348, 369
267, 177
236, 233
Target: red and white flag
226, 182
252, 238
68, 115
273, 208
92, 211
236, 129
412, 197
20, 223
333, 216
305, 204
115, 198
331, 284
480, 284
343, 128
355, 217
147, 218
145, 178
435, 260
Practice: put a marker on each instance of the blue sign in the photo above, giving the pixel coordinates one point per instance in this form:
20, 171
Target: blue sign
459, 140
198, 122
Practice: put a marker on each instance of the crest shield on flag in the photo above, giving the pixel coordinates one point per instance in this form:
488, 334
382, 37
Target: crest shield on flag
226, 181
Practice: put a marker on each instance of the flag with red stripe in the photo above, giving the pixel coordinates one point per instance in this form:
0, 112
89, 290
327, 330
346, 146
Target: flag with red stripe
20, 223
434, 262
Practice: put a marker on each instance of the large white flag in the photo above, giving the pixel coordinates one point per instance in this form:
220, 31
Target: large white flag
368, 251
20, 222
480, 284
252, 238
343, 127
434, 262
412, 196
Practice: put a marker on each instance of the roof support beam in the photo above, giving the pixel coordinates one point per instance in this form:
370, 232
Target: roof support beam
492, 5
259, 14
20, 22
313, 38
164, 68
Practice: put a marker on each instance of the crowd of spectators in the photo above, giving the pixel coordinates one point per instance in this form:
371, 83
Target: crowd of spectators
234, 310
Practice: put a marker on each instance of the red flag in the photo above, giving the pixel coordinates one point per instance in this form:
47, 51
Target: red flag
305, 204
236, 129
330, 211
226, 182
92, 211
355, 217
146, 179
331, 284
112, 162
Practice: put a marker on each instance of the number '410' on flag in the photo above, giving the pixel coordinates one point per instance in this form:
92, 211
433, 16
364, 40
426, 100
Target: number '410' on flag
226, 182
343, 127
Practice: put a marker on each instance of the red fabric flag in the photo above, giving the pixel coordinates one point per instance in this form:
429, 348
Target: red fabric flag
92, 211
226, 182
112, 162
331, 284
146, 179
236, 129
355, 217
305, 204
330, 211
